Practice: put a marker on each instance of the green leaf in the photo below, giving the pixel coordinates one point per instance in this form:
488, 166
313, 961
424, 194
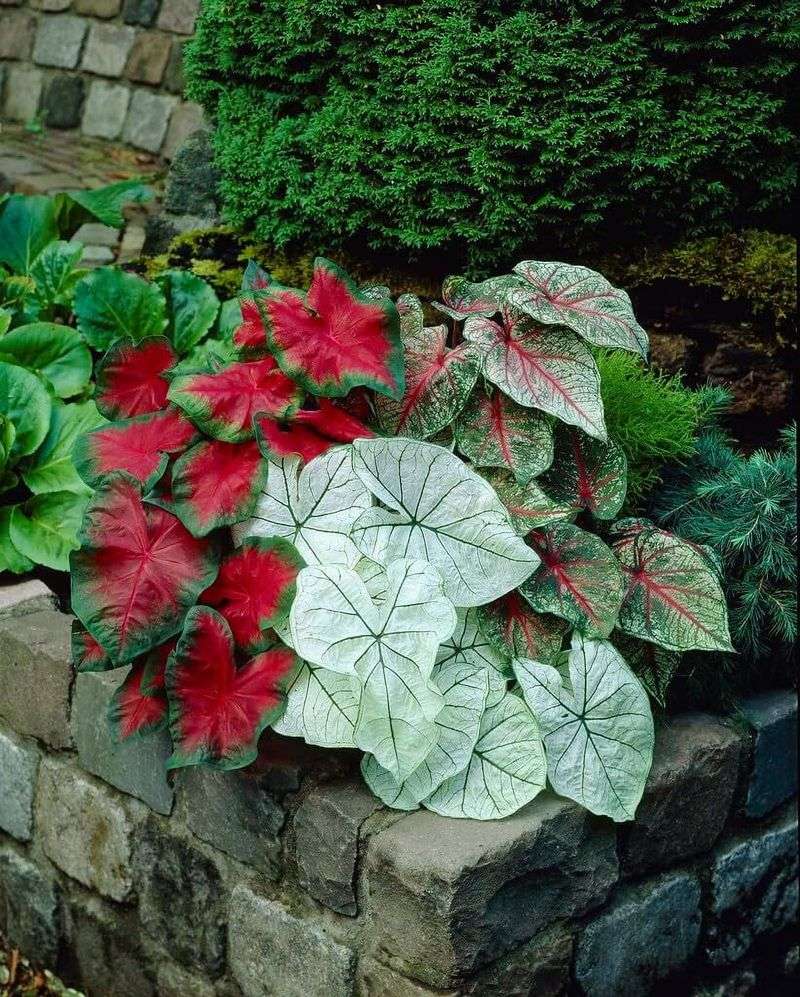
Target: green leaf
192, 308
10, 557
55, 273
514, 630
52, 468
5, 321
56, 351
111, 304
104, 203
587, 473
27, 225
45, 528
25, 401
528, 506
597, 726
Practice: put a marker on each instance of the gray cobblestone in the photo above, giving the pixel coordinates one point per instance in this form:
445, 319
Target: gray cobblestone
148, 119
29, 907
106, 107
59, 41
773, 775
107, 49
19, 764
25, 597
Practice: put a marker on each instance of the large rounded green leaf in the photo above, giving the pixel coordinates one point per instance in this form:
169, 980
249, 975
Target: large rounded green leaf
56, 351
192, 308
103, 203
26, 403
110, 304
52, 468
10, 557
55, 273
27, 225
45, 528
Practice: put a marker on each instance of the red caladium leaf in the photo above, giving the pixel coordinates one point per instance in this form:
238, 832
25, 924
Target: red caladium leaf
137, 572
462, 298
223, 403
579, 578
581, 299
493, 431
255, 278
528, 505
87, 654
218, 710
250, 336
216, 484
672, 593
138, 446
130, 377
308, 432
136, 708
587, 474
544, 367
334, 337
514, 629
255, 587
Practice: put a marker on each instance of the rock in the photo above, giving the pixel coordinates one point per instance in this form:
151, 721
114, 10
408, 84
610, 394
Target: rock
29, 907
173, 75
179, 16
773, 770
98, 8
140, 12
106, 108
132, 243
59, 41
51, 6
540, 967
107, 950
35, 655
180, 899
19, 764
274, 953
136, 766
107, 49
25, 597
95, 234
446, 897
96, 256
161, 229
85, 830
17, 30
174, 981
23, 92
648, 933
186, 120
147, 120
688, 795
62, 101
149, 57
192, 182
377, 980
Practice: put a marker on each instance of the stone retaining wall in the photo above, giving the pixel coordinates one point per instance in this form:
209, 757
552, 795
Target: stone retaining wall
289, 879
111, 68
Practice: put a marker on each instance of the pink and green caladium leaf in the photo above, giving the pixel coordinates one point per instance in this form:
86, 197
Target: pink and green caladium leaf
131, 377
597, 726
333, 337
137, 572
579, 579
250, 336
136, 708
587, 473
539, 366
515, 630
438, 379
255, 277
255, 588
217, 484
139, 446
494, 431
581, 299
672, 593
462, 298
654, 666
528, 506
308, 432
224, 402
217, 710
87, 654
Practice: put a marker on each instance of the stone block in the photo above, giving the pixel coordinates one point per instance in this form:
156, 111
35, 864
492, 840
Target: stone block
29, 907
147, 120
179, 16
447, 897
98, 8
19, 765
62, 101
107, 49
174, 981
95, 234
107, 951
649, 932
59, 41
327, 827
754, 890
136, 766
25, 597
772, 717
23, 91
181, 899
142, 13
35, 658
51, 6
274, 952
540, 967
106, 107
173, 75
17, 30
377, 980
688, 796
132, 243
187, 119
149, 57
192, 182
10, 3
96, 256
84, 829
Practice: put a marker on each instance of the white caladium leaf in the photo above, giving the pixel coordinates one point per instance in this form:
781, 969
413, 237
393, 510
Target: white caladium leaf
587, 473
464, 689
528, 506
516, 630
506, 770
439, 510
391, 648
494, 431
374, 577
321, 707
541, 366
581, 299
597, 726
314, 507
463, 298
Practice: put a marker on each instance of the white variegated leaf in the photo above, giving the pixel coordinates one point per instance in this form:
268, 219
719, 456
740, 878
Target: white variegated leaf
321, 707
373, 575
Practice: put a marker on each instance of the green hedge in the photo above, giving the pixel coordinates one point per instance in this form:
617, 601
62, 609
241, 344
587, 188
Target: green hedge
505, 127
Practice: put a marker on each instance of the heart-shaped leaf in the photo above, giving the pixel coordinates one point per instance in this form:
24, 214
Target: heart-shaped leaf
309, 432
468, 645
462, 298
51, 468
250, 336
514, 630
87, 654
135, 710
597, 727
56, 351
192, 307
322, 707
654, 666
528, 506
45, 528
437, 509
587, 473
255, 277
25, 403
130, 377
111, 304
27, 225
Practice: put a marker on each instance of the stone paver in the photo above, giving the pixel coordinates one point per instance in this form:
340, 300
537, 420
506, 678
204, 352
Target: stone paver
62, 101
772, 717
107, 49
17, 31
185, 121
106, 108
19, 764
24, 597
179, 15
148, 119
149, 57
98, 8
59, 41
23, 91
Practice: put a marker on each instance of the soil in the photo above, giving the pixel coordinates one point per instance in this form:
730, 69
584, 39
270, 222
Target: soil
19, 978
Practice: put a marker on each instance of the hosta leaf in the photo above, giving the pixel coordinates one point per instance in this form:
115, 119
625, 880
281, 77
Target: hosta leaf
55, 273
391, 648
25, 403
334, 338
654, 666
309, 432
52, 469
255, 588
515, 630
217, 710
528, 506
597, 727
192, 307
106, 203
322, 707
27, 225
138, 446
217, 484
579, 578
87, 654
314, 508
581, 299
5, 321
462, 298
543, 367
587, 473
137, 572
223, 403
56, 351
10, 557
134, 710
130, 377
45, 528
672, 593
464, 689
111, 304
493, 431
439, 510
506, 770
